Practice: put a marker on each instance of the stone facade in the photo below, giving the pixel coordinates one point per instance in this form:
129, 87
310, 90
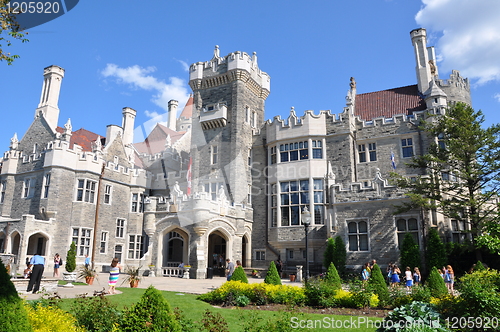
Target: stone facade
221, 181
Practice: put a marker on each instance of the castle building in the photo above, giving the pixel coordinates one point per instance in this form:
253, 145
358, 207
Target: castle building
221, 181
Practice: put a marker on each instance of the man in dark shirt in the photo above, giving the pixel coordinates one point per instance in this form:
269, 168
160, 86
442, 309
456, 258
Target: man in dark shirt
37, 263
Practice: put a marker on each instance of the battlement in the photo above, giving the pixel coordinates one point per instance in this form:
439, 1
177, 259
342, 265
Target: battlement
236, 63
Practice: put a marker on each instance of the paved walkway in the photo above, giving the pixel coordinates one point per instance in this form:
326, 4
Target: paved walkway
174, 284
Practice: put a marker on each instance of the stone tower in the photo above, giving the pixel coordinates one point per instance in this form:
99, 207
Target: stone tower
48, 108
229, 95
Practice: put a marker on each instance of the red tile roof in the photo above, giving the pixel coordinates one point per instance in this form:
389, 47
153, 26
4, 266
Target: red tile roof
187, 112
155, 142
83, 138
387, 103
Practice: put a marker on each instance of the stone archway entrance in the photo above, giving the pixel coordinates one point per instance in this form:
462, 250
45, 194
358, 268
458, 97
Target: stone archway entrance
174, 249
37, 244
15, 243
217, 249
244, 246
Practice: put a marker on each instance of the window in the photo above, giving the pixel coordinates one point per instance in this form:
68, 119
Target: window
118, 252
406, 225
120, 227
260, 255
292, 151
440, 141
81, 237
107, 194
294, 198
85, 191
318, 202
273, 155
459, 232
46, 185
290, 254
137, 203
247, 114
274, 203
317, 149
372, 151
357, 235
134, 246
249, 195
3, 188
407, 146
213, 189
214, 154
104, 242
253, 120
362, 153
28, 187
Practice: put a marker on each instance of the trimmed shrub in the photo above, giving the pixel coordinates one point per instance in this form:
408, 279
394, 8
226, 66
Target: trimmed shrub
95, 313
377, 284
416, 316
328, 256
479, 292
52, 319
410, 254
13, 316
436, 284
479, 266
272, 276
71, 258
151, 313
339, 255
332, 277
434, 251
239, 275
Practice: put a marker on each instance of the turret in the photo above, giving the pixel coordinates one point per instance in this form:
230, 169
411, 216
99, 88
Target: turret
128, 125
48, 108
425, 60
172, 114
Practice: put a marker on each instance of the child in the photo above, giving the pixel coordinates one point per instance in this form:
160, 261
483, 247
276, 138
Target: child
416, 276
449, 278
114, 273
409, 279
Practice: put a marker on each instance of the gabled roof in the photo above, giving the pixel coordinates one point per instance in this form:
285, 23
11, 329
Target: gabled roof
155, 142
387, 103
83, 138
187, 112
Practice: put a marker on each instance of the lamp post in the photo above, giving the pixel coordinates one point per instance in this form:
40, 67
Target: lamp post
306, 221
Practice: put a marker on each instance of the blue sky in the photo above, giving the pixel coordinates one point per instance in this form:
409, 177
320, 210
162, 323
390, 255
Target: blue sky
135, 54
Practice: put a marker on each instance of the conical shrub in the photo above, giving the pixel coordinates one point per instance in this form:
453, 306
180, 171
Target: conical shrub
436, 284
378, 286
239, 275
332, 277
272, 276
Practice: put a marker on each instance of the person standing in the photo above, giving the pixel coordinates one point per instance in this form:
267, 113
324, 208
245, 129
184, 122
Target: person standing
114, 273
409, 279
395, 275
87, 261
229, 269
417, 277
37, 263
57, 265
449, 278
365, 274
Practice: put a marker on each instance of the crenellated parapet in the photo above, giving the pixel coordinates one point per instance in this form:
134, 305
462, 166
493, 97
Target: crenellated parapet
236, 66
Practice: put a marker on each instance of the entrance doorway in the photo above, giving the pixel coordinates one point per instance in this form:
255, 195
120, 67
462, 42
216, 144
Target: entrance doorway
217, 249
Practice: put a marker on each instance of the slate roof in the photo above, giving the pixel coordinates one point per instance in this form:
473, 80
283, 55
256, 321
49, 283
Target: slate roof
83, 138
387, 103
187, 112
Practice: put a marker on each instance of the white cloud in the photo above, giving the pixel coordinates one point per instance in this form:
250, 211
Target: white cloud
497, 97
140, 78
467, 34
184, 65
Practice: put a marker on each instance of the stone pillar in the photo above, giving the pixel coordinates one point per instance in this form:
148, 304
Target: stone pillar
200, 264
299, 273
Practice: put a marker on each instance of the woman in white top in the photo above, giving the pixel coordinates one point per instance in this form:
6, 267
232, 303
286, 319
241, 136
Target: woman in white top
409, 279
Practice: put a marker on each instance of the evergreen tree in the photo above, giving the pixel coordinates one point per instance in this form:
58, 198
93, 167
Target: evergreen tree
13, 316
328, 256
479, 266
239, 275
378, 285
410, 254
435, 251
339, 255
436, 284
333, 278
461, 173
151, 313
71, 258
272, 276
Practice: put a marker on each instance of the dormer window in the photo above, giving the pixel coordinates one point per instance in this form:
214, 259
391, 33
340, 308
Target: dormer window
210, 108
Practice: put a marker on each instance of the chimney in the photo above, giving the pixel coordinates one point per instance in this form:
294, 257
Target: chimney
128, 125
48, 108
172, 114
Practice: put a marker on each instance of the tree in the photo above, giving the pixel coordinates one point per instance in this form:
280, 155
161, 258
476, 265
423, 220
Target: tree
460, 171
332, 277
71, 258
410, 254
434, 251
239, 275
339, 255
436, 284
13, 316
378, 285
9, 29
272, 276
328, 256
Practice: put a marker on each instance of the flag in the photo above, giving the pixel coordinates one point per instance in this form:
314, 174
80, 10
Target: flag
188, 176
393, 161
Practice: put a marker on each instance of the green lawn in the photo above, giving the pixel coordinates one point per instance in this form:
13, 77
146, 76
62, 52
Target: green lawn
238, 319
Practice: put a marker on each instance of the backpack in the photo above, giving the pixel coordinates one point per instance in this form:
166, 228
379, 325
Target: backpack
60, 261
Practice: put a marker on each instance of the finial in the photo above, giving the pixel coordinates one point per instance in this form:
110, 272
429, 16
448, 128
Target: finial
68, 126
168, 141
14, 142
97, 145
254, 59
216, 52
353, 83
